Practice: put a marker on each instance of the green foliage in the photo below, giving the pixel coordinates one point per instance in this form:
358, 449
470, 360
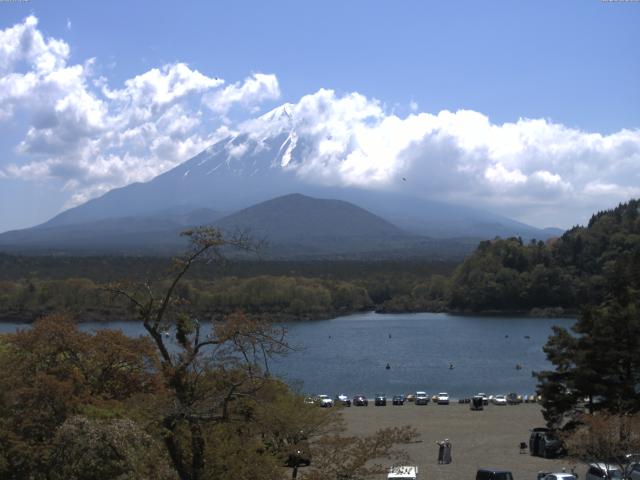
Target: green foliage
577, 269
116, 449
599, 360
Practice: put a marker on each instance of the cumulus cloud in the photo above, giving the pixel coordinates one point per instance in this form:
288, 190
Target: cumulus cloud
94, 136
531, 168
255, 89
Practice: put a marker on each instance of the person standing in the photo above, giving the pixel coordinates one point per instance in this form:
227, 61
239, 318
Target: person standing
446, 454
440, 451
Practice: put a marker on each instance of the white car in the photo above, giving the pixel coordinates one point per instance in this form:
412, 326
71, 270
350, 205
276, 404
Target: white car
443, 398
403, 472
500, 400
485, 399
422, 398
324, 401
558, 476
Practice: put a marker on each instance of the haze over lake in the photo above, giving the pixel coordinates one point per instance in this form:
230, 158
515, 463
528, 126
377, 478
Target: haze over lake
349, 354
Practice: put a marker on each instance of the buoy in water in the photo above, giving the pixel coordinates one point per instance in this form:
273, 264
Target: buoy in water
388, 367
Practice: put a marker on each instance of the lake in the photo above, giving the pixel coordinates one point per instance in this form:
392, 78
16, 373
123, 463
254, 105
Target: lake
349, 354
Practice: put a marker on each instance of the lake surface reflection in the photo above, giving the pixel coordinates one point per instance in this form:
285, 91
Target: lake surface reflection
349, 354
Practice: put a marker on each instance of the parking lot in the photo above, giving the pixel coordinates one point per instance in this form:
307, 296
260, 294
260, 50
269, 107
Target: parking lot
488, 438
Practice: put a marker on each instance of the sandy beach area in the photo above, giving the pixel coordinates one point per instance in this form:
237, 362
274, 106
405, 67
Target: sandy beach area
481, 439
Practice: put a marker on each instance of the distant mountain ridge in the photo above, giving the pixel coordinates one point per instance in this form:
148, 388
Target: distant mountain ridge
292, 226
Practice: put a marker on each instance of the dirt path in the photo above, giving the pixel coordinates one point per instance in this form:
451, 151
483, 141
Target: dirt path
482, 439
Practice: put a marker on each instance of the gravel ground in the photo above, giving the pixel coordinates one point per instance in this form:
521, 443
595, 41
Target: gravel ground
481, 439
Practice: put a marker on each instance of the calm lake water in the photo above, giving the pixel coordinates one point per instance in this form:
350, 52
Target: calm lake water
349, 354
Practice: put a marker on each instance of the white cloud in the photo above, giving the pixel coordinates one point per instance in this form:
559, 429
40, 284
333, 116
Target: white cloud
95, 137
255, 89
529, 169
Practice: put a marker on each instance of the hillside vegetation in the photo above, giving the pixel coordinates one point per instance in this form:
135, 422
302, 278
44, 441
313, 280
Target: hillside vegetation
574, 270
554, 277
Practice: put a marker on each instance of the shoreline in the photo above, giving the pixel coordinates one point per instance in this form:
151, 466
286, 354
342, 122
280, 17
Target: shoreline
284, 318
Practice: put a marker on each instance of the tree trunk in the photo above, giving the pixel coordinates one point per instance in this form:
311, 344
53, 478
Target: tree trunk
197, 447
177, 460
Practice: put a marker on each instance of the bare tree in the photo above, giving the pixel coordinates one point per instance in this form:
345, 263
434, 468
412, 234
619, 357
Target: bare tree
607, 438
203, 371
343, 457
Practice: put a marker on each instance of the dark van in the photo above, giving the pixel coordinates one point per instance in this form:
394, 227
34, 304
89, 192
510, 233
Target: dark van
543, 444
492, 474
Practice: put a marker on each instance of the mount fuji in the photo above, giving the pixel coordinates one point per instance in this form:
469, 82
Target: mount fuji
248, 168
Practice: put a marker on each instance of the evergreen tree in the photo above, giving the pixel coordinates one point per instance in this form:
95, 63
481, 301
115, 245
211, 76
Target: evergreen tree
599, 360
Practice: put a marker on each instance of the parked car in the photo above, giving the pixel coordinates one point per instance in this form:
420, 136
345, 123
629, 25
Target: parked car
411, 397
403, 472
633, 471
500, 400
485, 399
309, 400
477, 403
556, 476
360, 401
343, 400
493, 474
598, 471
514, 398
443, 398
542, 443
324, 401
422, 398
380, 400
398, 400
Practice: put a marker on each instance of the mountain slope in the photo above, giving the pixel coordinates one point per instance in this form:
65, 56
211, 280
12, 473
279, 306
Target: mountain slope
297, 216
246, 169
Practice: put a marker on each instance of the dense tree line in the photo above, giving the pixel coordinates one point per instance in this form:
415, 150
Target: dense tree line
269, 296
575, 270
501, 275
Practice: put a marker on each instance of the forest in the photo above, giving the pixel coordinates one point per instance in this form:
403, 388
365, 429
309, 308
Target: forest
501, 275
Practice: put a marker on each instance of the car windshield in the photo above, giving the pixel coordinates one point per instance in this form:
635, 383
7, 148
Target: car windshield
615, 474
504, 476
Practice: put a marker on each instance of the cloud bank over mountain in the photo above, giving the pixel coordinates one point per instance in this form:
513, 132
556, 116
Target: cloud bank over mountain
95, 137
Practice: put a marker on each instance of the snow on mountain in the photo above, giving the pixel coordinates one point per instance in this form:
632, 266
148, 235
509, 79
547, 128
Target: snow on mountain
279, 153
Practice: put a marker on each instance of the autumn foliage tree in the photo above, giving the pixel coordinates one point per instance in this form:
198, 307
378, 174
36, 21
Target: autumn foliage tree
52, 372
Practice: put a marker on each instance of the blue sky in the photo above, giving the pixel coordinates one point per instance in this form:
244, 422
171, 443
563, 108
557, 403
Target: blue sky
572, 64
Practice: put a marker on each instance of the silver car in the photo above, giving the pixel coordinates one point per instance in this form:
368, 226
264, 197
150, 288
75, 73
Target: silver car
600, 471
